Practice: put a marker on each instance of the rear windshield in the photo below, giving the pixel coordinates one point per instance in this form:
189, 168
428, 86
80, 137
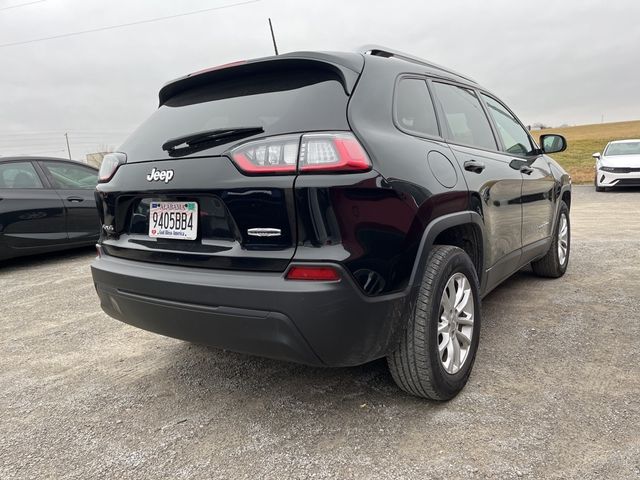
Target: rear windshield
284, 101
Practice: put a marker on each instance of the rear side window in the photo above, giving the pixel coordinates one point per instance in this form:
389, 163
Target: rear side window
514, 137
280, 101
19, 175
68, 176
414, 109
464, 117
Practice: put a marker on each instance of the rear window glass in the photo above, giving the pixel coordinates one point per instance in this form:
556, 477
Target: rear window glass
68, 176
19, 175
282, 101
414, 108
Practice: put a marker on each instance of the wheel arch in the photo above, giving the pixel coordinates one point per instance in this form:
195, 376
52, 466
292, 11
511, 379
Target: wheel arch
461, 229
566, 197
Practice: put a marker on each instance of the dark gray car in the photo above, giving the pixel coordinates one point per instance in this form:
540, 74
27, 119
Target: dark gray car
46, 204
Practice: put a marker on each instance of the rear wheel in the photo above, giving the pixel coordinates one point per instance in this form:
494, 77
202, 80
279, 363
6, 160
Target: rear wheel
555, 262
436, 353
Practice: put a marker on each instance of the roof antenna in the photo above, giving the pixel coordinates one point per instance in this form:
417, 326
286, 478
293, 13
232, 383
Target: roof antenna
273, 37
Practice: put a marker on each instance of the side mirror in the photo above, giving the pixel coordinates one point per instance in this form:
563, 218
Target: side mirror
553, 143
596, 156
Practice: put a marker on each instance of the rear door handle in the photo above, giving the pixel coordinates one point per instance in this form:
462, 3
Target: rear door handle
526, 170
75, 199
474, 166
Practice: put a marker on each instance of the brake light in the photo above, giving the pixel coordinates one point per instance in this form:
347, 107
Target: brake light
218, 67
313, 273
309, 153
110, 163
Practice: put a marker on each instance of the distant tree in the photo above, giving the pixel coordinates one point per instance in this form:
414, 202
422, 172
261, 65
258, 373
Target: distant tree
540, 126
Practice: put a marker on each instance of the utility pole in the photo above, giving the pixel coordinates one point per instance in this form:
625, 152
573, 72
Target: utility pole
66, 136
273, 37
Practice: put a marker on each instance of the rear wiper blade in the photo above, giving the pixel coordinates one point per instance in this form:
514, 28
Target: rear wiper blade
193, 139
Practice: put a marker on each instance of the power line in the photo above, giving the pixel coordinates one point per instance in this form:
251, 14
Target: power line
122, 25
37, 152
52, 133
27, 138
21, 5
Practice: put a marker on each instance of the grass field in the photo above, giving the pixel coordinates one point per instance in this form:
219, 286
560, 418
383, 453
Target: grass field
584, 141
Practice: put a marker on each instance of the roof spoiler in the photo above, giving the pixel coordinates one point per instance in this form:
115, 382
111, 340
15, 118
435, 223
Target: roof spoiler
347, 67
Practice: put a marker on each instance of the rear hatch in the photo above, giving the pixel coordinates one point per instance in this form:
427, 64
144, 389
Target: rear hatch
241, 218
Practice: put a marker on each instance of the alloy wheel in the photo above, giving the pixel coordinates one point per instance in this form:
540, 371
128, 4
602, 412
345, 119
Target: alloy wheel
455, 325
563, 239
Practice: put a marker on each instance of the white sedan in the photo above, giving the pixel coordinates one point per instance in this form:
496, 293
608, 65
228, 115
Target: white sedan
618, 165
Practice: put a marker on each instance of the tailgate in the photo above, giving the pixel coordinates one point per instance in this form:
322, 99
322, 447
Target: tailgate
229, 206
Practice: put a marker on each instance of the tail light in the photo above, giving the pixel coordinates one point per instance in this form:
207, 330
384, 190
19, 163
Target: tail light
268, 155
313, 273
311, 153
110, 163
332, 152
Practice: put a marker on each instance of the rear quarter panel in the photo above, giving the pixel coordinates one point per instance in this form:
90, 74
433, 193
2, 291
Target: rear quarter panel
375, 221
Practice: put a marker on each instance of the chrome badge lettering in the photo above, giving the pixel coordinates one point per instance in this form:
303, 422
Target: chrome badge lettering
264, 232
160, 175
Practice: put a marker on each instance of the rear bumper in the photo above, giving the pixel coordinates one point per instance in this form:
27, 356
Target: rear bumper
315, 323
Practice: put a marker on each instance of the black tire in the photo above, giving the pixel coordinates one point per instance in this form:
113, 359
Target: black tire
550, 266
415, 365
598, 189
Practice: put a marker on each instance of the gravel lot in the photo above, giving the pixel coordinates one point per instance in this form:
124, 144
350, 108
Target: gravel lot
554, 392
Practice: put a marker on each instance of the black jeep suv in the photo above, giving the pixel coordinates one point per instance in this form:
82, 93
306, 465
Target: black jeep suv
329, 209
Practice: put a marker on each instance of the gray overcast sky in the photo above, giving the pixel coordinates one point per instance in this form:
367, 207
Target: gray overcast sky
552, 61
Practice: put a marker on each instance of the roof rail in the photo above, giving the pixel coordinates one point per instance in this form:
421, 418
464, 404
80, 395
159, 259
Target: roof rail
380, 51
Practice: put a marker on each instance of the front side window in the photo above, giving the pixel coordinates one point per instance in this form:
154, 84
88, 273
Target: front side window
464, 116
19, 175
514, 137
414, 109
74, 177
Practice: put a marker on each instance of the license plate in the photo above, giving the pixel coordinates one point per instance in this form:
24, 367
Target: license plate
178, 220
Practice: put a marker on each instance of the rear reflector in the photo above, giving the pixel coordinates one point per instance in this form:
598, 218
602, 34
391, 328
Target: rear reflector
310, 153
314, 273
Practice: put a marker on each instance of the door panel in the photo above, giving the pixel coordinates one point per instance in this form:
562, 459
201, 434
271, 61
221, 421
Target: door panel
75, 186
498, 201
83, 223
538, 181
31, 217
537, 201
